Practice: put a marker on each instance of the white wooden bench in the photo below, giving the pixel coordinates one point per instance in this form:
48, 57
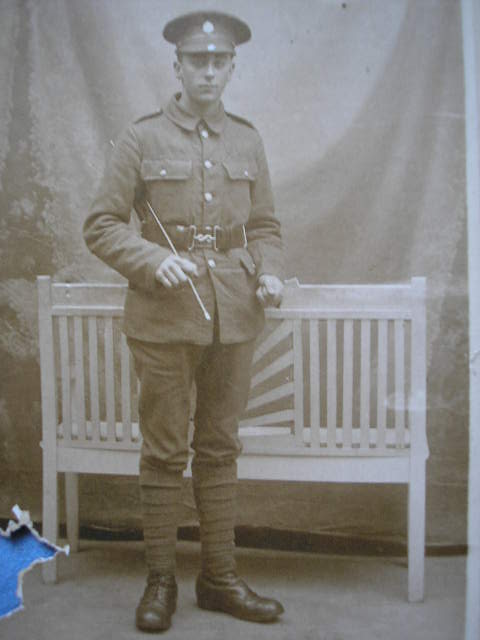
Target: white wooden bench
338, 395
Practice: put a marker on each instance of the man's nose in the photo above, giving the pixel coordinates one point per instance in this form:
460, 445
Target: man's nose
210, 71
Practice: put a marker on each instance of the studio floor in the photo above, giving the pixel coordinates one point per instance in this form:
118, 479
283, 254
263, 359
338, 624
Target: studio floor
326, 597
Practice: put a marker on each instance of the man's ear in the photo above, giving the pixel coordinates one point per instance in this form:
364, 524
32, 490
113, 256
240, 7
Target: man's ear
232, 68
177, 67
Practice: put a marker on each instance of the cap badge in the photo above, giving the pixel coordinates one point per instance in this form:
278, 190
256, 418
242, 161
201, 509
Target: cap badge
208, 27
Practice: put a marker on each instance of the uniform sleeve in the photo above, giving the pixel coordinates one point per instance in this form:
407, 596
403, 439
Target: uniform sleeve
107, 232
263, 228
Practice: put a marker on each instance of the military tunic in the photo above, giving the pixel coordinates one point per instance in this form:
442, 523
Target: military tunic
193, 171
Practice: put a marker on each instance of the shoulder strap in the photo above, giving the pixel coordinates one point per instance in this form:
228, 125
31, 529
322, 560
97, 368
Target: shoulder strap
149, 115
239, 119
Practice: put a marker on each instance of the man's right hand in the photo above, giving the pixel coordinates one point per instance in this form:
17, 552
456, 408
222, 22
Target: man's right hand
174, 271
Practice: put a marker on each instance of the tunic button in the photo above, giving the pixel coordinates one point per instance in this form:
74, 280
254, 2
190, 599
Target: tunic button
204, 133
245, 173
163, 172
208, 164
208, 197
211, 263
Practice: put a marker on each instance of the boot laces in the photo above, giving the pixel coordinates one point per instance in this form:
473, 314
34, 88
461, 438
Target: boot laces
160, 587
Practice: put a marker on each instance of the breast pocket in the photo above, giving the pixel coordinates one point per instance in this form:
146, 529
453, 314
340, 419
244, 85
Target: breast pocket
168, 184
240, 175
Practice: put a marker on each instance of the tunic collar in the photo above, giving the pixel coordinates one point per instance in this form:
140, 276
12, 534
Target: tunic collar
183, 118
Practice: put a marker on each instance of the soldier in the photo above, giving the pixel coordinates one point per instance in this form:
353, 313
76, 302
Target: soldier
200, 173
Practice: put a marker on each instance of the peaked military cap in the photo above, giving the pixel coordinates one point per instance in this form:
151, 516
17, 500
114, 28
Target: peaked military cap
206, 31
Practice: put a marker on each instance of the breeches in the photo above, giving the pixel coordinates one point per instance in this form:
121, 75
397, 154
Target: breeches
166, 372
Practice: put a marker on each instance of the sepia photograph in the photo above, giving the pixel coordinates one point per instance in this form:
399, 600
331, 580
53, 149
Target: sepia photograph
240, 327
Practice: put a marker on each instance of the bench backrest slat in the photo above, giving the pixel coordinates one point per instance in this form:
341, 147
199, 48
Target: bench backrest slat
65, 369
418, 372
314, 352
277, 393
126, 388
347, 403
79, 378
102, 296
93, 377
109, 379
279, 333
283, 362
382, 383
365, 359
384, 300
331, 383
269, 419
399, 397
298, 374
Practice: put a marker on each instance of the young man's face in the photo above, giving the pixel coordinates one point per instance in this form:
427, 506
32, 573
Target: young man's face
204, 75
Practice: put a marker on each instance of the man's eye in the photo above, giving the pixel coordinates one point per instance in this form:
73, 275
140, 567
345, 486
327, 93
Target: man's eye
198, 62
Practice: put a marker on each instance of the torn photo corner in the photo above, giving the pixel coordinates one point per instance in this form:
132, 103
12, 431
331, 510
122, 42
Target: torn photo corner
21, 547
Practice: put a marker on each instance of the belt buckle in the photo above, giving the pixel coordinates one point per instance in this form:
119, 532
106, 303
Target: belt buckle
203, 240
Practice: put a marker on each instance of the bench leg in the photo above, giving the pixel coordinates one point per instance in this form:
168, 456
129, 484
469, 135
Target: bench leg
416, 531
71, 508
50, 519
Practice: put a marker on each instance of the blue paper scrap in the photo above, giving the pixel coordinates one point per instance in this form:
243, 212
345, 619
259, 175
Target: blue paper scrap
21, 547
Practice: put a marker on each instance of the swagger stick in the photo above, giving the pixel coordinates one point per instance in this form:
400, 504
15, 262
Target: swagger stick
175, 252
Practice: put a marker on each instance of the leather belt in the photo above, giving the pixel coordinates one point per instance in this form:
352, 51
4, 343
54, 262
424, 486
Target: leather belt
192, 238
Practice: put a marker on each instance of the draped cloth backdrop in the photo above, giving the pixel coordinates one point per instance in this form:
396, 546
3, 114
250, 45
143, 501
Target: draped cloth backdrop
360, 105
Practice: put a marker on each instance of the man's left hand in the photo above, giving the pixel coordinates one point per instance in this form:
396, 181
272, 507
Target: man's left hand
270, 291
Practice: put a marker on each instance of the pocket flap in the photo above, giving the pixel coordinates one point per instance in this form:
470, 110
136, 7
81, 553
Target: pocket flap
166, 169
240, 169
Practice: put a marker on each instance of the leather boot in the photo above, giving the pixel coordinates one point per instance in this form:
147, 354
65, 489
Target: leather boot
230, 594
158, 603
